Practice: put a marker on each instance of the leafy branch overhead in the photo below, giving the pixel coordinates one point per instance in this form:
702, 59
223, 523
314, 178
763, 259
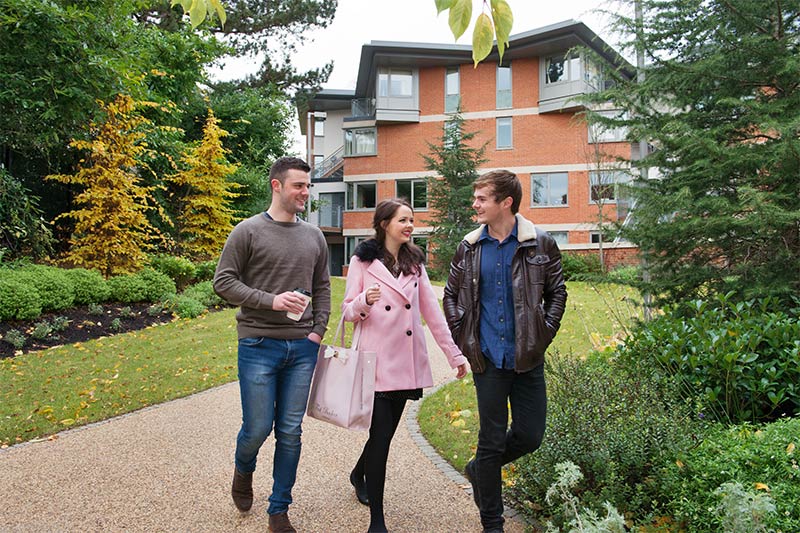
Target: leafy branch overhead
200, 9
487, 27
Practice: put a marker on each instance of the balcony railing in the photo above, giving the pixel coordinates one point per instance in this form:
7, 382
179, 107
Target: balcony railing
328, 165
362, 108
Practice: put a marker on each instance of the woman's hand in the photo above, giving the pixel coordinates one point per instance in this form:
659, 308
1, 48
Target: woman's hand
462, 370
373, 294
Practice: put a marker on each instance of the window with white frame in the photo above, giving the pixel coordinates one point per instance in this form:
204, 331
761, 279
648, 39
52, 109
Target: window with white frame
361, 195
415, 191
318, 159
319, 127
503, 87
360, 141
562, 68
561, 237
605, 185
452, 90
549, 189
504, 138
599, 133
396, 83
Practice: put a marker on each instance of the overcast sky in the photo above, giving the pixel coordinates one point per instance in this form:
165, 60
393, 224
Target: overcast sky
357, 22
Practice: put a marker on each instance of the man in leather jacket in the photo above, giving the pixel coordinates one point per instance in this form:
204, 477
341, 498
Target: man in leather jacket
504, 300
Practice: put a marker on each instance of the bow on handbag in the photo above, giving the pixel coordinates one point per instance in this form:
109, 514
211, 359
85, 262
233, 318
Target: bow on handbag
332, 352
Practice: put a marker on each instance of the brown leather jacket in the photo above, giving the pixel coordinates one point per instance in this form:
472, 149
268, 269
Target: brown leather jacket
540, 296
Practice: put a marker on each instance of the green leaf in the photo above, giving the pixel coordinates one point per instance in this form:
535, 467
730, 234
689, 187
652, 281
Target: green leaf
503, 21
482, 38
443, 5
197, 13
220, 11
460, 15
185, 4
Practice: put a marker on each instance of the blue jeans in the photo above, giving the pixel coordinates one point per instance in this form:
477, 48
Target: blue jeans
274, 379
498, 445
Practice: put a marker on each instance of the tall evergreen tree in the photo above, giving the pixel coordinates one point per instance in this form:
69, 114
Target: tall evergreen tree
112, 232
456, 164
206, 216
720, 105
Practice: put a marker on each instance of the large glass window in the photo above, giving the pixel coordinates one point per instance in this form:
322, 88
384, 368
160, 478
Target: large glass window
599, 133
562, 68
361, 195
396, 82
452, 94
415, 191
504, 87
561, 237
331, 206
352, 243
549, 189
319, 127
361, 141
452, 134
504, 133
606, 185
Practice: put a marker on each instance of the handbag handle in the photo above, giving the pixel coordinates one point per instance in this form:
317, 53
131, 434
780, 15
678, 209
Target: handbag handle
340, 331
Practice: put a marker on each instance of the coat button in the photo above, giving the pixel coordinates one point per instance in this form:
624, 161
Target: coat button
408, 306
362, 315
408, 332
388, 307
415, 283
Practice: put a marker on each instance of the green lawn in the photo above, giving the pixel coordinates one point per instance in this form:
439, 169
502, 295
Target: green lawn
44, 392
596, 315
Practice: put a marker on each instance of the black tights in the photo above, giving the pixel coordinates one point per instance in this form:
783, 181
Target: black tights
386, 416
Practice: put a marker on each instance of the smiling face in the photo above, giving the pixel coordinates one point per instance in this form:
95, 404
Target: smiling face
292, 194
400, 227
488, 210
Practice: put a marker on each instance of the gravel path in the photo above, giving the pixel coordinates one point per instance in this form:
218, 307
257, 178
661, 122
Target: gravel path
168, 468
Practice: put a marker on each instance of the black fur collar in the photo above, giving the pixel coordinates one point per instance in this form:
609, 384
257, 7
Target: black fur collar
369, 250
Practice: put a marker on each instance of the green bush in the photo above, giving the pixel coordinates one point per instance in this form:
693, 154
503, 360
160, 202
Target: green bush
158, 285
578, 267
15, 338
760, 457
55, 289
626, 275
128, 288
205, 271
615, 426
736, 361
147, 285
179, 269
204, 293
18, 299
185, 307
88, 286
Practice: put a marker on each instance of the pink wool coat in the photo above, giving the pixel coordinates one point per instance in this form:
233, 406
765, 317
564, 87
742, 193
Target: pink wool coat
392, 328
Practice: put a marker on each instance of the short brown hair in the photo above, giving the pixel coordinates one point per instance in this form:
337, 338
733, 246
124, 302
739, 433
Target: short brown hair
504, 184
284, 164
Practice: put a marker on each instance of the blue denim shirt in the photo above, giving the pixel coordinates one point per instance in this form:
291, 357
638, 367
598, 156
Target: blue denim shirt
497, 299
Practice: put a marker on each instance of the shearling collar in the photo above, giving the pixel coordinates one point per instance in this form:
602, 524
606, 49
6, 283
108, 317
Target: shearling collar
526, 231
369, 250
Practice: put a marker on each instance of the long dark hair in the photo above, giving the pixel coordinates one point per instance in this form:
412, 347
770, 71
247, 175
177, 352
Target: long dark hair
410, 256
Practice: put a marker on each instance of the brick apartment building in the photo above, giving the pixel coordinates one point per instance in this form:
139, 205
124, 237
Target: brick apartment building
367, 144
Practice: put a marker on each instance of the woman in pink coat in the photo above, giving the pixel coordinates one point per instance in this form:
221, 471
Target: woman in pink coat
388, 291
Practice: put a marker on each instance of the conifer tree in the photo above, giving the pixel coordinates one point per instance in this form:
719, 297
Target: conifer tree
719, 104
206, 216
456, 163
112, 232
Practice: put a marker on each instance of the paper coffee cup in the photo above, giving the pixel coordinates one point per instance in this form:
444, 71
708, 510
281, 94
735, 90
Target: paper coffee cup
306, 297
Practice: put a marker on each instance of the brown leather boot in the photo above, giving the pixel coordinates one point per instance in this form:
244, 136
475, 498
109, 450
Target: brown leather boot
279, 523
242, 490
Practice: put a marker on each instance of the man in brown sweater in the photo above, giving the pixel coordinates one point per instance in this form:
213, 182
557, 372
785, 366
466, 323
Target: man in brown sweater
267, 259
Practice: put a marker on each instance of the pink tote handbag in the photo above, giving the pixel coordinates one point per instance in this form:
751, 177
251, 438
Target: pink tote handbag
343, 387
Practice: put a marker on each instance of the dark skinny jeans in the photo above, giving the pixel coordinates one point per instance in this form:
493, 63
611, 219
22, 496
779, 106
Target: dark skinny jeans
498, 445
